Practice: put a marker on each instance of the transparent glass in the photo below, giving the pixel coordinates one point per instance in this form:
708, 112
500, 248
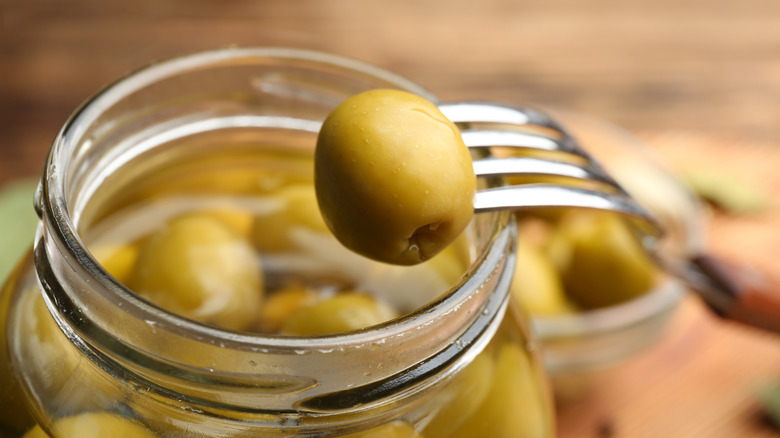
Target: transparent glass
83, 352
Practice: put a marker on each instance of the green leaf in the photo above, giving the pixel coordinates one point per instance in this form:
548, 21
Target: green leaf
17, 223
769, 395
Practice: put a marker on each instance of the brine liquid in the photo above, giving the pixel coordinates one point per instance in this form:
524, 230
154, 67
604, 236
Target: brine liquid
265, 194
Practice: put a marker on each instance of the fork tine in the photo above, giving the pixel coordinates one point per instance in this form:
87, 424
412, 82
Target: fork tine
491, 138
534, 196
475, 112
481, 127
530, 196
481, 112
530, 166
470, 114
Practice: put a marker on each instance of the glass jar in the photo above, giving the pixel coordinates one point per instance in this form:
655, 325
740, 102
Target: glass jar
213, 131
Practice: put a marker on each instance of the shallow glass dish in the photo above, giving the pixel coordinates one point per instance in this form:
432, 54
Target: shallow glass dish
578, 344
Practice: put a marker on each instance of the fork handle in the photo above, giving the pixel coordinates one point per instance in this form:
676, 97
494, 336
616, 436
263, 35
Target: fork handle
737, 292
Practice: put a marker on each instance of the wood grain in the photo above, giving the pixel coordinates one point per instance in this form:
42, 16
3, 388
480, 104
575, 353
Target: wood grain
699, 80
706, 66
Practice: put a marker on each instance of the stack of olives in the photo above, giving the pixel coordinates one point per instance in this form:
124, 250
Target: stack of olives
208, 266
579, 260
401, 202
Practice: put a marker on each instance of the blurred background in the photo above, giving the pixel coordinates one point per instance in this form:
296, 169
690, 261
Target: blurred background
697, 80
710, 67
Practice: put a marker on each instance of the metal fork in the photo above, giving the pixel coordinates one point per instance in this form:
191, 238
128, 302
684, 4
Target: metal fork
731, 291
488, 125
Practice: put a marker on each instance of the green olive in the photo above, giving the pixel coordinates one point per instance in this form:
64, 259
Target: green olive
536, 284
73, 384
393, 177
239, 221
396, 429
118, 260
605, 263
515, 403
283, 303
93, 425
14, 414
201, 269
296, 208
341, 313
462, 396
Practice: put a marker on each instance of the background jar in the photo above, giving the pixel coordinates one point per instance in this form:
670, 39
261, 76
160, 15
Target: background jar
87, 348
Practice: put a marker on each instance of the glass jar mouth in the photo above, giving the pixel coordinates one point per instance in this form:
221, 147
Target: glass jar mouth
67, 184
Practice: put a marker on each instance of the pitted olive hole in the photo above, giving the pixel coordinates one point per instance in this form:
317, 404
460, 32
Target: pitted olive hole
425, 240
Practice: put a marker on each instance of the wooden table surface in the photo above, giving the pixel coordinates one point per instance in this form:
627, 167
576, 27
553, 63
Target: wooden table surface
697, 79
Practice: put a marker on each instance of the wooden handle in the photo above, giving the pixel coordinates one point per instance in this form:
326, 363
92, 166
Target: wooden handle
739, 293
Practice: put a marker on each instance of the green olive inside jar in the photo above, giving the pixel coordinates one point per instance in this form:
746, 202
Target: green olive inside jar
180, 265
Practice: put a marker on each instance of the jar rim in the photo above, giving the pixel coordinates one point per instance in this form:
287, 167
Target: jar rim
52, 203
